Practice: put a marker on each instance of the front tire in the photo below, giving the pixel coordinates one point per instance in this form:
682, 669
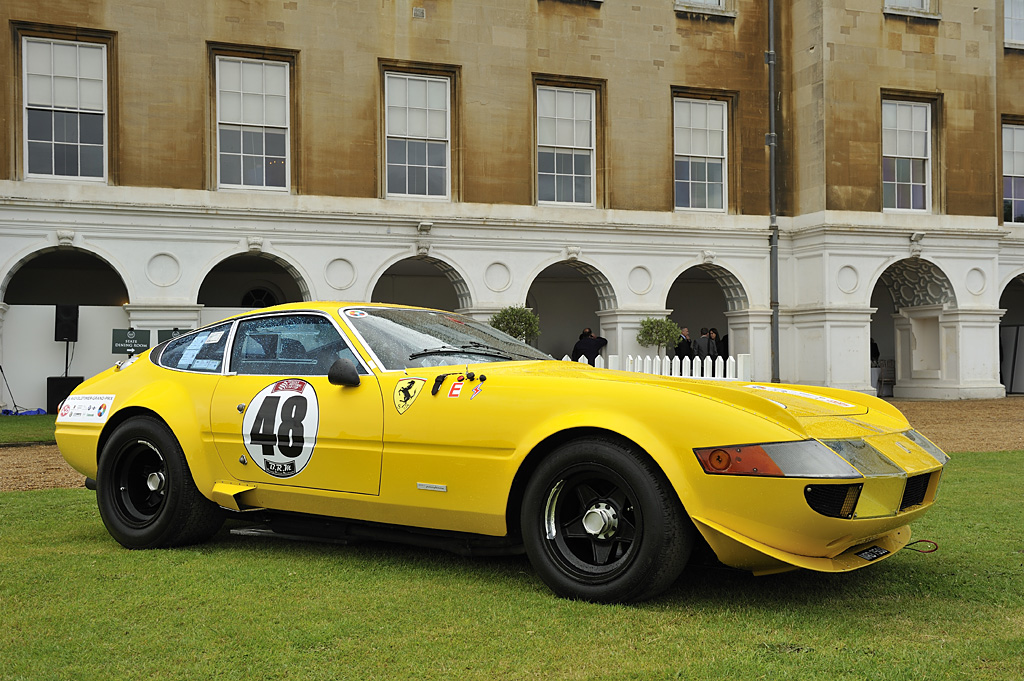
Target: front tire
600, 522
145, 491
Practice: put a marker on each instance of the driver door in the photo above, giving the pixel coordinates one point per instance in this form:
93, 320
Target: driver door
277, 420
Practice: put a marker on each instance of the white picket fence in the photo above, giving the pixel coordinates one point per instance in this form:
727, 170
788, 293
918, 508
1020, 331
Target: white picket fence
732, 369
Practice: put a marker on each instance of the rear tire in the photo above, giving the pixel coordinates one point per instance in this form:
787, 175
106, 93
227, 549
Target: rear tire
601, 523
145, 491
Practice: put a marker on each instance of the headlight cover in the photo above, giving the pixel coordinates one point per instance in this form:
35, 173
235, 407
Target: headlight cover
800, 459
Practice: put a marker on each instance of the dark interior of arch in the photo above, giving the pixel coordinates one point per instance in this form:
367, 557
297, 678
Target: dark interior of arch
66, 277
422, 281
249, 281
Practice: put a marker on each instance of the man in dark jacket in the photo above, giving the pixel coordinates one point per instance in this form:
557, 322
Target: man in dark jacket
588, 346
684, 348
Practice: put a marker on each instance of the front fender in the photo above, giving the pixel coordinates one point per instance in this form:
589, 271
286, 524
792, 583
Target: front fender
186, 412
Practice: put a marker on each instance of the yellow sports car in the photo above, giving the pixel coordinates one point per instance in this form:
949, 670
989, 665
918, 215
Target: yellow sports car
366, 420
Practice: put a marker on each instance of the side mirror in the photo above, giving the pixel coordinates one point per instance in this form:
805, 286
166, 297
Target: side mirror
343, 372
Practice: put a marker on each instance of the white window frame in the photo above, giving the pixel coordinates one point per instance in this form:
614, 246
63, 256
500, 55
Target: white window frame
1013, 167
548, 129
1013, 23
691, 142
33, 86
926, 9
245, 121
906, 125
397, 117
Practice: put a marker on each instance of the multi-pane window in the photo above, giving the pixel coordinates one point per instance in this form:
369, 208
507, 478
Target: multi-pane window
252, 123
1013, 25
418, 149
1013, 173
65, 112
700, 153
565, 145
906, 155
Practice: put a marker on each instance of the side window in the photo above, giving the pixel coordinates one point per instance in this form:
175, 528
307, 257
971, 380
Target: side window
202, 351
292, 345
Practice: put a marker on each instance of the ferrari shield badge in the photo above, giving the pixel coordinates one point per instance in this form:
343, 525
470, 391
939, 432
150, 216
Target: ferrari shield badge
406, 392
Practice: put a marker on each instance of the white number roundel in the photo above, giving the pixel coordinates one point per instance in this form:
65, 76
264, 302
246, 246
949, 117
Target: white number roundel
280, 426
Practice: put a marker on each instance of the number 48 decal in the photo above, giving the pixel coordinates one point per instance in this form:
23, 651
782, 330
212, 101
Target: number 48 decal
280, 427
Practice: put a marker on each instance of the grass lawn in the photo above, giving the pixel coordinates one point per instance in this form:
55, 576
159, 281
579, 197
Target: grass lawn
75, 605
38, 428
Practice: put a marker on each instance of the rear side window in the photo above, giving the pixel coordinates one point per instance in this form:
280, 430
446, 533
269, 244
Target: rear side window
202, 351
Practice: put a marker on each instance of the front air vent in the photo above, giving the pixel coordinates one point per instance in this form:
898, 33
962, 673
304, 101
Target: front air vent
915, 491
834, 501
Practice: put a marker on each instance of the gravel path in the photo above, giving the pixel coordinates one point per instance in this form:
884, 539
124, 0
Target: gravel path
958, 426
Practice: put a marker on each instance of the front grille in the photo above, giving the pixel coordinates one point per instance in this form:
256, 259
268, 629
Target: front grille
834, 501
913, 493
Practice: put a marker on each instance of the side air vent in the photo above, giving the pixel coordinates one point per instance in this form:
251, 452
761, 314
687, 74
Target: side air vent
834, 501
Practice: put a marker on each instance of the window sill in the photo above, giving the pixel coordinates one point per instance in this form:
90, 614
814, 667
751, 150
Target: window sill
566, 204
683, 7
65, 179
1013, 45
248, 188
912, 13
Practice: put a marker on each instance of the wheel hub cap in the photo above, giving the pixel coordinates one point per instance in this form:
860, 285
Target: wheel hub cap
601, 520
155, 481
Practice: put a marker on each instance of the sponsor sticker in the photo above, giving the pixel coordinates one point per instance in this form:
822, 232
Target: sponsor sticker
476, 391
456, 389
85, 409
874, 553
356, 314
279, 427
406, 392
800, 393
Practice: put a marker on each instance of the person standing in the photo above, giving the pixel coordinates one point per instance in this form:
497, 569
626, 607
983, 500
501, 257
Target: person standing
588, 346
705, 345
684, 348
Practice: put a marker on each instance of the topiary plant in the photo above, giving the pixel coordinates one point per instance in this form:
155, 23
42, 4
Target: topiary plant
517, 321
659, 331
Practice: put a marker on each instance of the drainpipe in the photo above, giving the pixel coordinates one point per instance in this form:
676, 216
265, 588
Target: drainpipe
773, 241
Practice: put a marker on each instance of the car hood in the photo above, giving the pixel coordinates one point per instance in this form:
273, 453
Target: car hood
809, 411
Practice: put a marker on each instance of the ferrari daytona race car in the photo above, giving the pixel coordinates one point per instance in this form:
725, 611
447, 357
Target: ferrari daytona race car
349, 421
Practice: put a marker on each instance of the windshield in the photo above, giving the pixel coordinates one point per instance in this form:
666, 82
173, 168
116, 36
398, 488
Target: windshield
402, 338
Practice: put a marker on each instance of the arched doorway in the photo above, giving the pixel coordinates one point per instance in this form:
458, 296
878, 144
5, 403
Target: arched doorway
61, 305
423, 281
703, 296
1011, 336
567, 296
249, 281
911, 299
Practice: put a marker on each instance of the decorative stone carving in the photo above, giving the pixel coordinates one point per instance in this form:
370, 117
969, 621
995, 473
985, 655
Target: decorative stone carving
572, 253
915, 244
65, 237
255, 244
708, 257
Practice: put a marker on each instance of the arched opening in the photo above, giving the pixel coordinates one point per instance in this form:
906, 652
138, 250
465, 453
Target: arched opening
701, 297
910, 299
63, 304
247, 281
65, 276
567, 296
1011, 336
422, 281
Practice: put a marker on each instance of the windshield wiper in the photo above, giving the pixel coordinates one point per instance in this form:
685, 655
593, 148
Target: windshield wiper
483, 350
507, 353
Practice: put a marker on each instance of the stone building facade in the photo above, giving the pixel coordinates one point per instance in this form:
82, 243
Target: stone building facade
599, 161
